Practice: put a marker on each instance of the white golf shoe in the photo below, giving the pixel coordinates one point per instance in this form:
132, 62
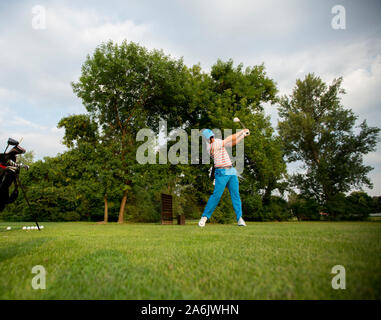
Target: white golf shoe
241, 222
202, 222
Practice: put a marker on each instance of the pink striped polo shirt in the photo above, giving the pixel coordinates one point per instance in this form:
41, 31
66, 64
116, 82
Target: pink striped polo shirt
220, 155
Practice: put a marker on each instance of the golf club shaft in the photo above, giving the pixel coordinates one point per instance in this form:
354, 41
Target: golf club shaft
243, 126
27, 201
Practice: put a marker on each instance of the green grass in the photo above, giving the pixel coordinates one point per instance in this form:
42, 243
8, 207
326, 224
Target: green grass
291, 260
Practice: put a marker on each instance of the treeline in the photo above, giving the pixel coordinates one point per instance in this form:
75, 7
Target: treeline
126, 87
58, 193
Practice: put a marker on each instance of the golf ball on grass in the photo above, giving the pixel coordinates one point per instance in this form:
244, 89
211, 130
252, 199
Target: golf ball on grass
9, 228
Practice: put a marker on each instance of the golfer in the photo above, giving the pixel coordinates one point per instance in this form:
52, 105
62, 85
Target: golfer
225, 174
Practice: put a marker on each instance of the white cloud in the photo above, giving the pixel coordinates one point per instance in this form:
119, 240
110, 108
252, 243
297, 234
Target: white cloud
23, 123
359, 63
363, 85
42, 63
42, 143
38, 66
328, 61
117, 32
376, 180
7, 94
373, 158
42, 140
244, 17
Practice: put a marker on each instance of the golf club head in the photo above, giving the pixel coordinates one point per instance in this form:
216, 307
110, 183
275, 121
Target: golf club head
16, 150
12, 142
238, 120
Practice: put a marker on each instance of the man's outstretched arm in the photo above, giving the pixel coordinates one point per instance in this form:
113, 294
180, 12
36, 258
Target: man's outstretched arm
235, 138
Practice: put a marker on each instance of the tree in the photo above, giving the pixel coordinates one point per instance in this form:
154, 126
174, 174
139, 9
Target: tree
240, 93
359, 204
317, 130
376, 204
126, 87
303, 208
82, 135
226, 92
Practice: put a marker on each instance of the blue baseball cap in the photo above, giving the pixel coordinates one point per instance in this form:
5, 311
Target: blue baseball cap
207, 133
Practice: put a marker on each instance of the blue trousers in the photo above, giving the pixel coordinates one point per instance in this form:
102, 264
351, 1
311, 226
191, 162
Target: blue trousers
224, 177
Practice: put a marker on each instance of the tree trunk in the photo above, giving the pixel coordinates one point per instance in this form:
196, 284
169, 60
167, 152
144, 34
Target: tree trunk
106, 209
268, 190
122, 206
267, 196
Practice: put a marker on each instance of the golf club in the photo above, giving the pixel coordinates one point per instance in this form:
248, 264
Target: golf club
11, 142
242, 125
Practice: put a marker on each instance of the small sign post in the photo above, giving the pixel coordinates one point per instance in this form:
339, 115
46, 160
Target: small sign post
181, 219
166, 209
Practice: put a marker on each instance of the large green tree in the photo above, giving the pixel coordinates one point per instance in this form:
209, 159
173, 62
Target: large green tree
230, 91
241, 92
318, 131
82, 136
125, 88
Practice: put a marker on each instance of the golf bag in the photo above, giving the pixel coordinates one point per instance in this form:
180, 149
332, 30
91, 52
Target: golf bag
9, 173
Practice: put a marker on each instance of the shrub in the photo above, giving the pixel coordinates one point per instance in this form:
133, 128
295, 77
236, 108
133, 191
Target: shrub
224, 212
252, 207
277, 209
304, 208
70, 216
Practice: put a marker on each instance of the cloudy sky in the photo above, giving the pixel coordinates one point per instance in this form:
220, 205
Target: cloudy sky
290, 37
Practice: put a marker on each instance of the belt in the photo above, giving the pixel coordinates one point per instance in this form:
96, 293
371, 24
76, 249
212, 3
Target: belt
224, 167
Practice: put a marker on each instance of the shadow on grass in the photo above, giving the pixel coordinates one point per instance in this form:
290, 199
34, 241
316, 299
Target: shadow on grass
21, 248
108, 274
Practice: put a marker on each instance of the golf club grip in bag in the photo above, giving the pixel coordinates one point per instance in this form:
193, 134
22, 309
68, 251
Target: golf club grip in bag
9, 171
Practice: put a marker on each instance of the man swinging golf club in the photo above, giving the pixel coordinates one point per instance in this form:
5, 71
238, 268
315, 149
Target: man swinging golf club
225, 174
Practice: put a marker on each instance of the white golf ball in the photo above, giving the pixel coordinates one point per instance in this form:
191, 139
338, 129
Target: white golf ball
27, 228
9, 228
24, 228
41, 227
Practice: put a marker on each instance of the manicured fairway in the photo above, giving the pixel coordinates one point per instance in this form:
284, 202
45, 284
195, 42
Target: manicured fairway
148, 261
